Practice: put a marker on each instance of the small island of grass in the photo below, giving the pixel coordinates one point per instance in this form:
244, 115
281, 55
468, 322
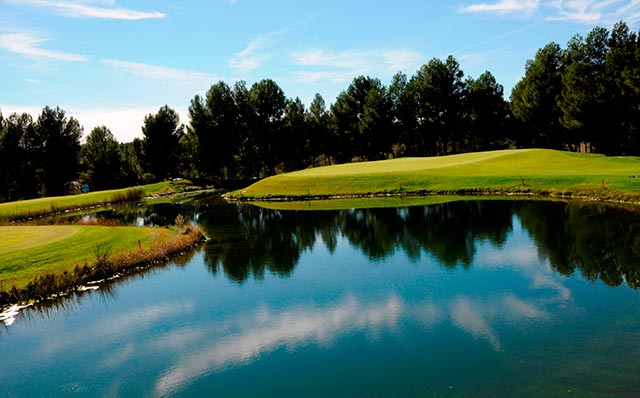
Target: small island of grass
523, 172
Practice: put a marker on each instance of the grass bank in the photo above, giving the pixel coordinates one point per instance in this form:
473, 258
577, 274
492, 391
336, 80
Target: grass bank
523, 172
10, 211
375, 202
39, 261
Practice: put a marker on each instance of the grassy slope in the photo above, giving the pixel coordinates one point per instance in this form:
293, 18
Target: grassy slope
545, 172
26, 251
371, 202
34, 207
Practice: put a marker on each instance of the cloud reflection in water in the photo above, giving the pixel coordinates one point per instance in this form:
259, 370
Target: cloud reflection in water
263, 332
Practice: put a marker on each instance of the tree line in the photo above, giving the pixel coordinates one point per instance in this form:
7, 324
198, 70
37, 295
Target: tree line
584, 97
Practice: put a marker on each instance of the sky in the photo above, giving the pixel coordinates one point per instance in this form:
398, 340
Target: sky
111, 62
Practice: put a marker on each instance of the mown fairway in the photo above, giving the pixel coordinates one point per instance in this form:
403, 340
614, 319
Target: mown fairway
26, 251
542, 171
41, 206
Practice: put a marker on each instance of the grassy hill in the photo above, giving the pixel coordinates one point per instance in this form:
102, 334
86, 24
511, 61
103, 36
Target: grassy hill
523, 171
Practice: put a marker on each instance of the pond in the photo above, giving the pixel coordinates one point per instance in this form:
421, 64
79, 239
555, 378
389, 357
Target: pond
472, 298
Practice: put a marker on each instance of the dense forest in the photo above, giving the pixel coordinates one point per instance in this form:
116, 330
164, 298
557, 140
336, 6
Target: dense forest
584, 97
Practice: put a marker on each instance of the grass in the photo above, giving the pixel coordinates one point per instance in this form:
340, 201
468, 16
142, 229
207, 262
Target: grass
37, 207
37, 261
26, 251
524, 171
369, 202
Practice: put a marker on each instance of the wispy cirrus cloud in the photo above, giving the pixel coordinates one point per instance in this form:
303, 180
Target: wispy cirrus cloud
30, 46
255, 53
503, 7
89, 9
342, 66
595, 11
579, 11
158, 71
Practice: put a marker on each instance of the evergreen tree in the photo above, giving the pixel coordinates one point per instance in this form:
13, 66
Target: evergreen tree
534, 100
318, 124
293, 152
101, 159
213, 122
162, 132
488, 113
57, 139
439, 92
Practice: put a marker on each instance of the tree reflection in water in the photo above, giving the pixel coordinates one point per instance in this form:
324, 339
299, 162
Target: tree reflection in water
602, 242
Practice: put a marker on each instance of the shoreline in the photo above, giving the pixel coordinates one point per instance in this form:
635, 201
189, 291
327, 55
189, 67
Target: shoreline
55, 285
425, 193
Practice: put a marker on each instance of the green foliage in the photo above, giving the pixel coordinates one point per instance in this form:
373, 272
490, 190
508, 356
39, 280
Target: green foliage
101, 158
213, 122
362, 115
319, 130
488, 113
439, 91
58, 146
534, 99
585, 97
266, 133
18, 158
162, 132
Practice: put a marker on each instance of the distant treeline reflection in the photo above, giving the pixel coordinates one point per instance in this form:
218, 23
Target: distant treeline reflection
598, 241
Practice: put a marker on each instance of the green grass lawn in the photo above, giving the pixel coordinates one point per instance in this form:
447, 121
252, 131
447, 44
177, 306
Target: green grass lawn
26, 251
35, 207
544, 172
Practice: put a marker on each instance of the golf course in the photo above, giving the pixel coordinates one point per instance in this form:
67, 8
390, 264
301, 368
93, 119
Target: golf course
540, 172
39, 260
26, 251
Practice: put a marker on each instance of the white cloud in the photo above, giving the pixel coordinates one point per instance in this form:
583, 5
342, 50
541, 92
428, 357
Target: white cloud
255, 53
84, 9
245, 64
481, 58
330, 76
346, 59
595, 11
579, 11
402, 60
503, 7
158, 71
30, 46
340, 67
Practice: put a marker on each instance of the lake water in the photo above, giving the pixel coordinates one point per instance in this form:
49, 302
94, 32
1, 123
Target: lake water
473, 298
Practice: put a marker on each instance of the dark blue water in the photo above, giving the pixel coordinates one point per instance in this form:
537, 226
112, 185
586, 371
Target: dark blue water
488, 298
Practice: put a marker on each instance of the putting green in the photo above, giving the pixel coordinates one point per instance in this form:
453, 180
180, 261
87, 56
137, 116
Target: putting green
26, 251
19, 238
524, 171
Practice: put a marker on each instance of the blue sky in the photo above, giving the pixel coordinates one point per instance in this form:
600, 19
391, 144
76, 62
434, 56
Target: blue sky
113, 61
